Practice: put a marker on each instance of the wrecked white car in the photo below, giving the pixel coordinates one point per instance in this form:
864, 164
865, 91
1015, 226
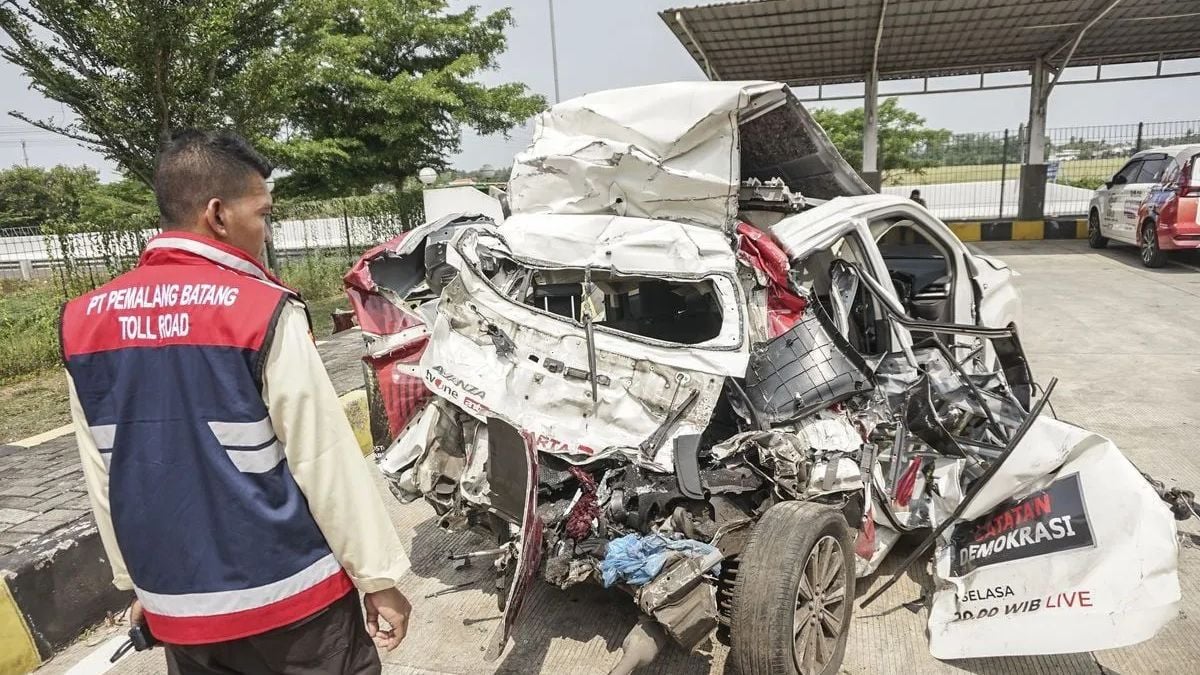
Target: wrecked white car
702, 363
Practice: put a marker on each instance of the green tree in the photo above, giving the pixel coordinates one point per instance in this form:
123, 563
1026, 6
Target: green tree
31, 196
390, 84
904, 141
123, 204
133, 70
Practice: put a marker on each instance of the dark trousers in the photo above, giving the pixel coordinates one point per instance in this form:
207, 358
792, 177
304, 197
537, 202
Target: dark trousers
333, 641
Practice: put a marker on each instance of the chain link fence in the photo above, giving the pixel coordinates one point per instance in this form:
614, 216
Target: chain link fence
974, 176
965, 176
314, 243
307, 238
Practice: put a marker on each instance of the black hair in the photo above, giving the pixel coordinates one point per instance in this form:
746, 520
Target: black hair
195, 166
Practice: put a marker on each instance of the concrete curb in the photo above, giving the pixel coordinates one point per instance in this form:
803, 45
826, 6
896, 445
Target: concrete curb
60, 584
1020, 230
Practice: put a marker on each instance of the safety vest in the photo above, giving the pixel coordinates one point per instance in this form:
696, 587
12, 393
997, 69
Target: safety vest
167, 361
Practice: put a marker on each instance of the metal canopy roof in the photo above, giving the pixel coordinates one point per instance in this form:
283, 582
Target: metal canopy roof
808, 42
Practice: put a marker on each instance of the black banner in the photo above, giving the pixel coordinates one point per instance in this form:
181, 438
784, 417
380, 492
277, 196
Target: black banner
1047, 521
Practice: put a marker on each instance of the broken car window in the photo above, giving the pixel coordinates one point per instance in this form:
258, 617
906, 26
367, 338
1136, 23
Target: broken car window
684, 312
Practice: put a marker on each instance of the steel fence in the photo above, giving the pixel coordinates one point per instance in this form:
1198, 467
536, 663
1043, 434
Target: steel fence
343, 227
960, 176
308, 240
976, 175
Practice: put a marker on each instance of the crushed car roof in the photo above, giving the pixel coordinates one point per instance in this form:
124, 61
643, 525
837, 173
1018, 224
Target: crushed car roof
676, 151
622, 244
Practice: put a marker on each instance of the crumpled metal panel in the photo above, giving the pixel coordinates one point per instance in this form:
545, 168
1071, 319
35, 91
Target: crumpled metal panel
622, 244
666, 151
1066, 549
394, 331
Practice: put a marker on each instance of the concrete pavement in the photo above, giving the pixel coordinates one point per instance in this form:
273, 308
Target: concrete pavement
1120, 338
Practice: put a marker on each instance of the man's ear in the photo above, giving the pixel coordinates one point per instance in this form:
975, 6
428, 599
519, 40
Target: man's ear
214, 218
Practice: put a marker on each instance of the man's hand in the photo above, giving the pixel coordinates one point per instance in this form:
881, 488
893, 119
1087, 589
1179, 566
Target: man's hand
136, 616
395, 610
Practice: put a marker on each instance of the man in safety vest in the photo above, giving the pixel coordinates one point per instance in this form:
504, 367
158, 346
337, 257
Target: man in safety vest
228, 488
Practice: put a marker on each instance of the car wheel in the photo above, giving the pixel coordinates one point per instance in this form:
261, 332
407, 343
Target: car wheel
794, 593
1095, 239
1152, 255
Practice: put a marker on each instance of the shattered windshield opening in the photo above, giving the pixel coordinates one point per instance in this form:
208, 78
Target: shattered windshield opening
683, 312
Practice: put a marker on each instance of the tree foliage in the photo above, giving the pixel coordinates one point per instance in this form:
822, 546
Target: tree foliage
904, 140
389, 86
344, 94
32, 197
133, 70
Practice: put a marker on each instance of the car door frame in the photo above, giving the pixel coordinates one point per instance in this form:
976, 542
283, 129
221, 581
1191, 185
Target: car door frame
963, 307
1112, 217
1135, 194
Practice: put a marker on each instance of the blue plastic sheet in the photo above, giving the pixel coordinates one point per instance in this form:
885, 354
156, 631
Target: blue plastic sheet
636, 560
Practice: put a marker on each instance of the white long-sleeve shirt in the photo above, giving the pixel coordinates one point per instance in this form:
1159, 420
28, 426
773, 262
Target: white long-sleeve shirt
322, 455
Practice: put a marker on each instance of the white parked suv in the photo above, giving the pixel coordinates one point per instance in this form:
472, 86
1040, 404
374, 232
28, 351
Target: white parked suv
1150, 203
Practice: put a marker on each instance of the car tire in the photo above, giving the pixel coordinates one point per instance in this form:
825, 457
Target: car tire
784, 578
1152, 255
1095, 239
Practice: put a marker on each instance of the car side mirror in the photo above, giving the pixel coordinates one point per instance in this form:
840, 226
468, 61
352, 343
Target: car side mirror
1119, 180
1108, 184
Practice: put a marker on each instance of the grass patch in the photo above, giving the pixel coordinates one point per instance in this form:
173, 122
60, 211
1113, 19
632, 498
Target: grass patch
33, 404
321, 310
28, 328
1069, 171
318, 278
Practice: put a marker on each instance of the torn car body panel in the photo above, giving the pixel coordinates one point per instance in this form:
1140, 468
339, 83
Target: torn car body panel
675, 151
1068, 549
393, 291
539, 374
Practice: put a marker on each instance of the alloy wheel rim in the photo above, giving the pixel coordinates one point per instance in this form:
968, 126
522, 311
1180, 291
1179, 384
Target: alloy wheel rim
820, 605
1147, 245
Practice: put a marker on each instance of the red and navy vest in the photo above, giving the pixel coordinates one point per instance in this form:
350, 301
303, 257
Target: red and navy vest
167, 361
